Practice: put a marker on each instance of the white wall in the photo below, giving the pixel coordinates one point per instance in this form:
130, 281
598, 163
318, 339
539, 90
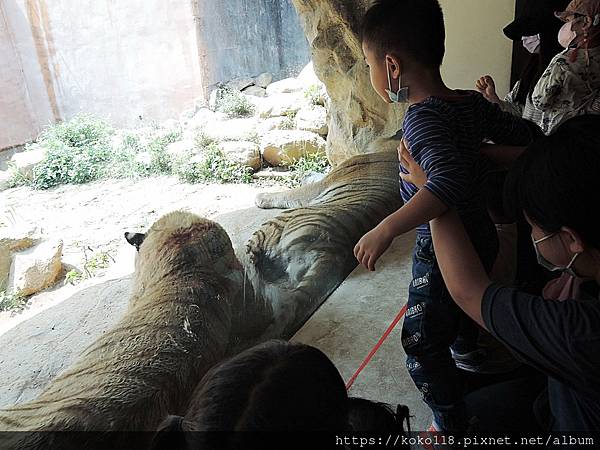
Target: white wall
116, 59
475, 44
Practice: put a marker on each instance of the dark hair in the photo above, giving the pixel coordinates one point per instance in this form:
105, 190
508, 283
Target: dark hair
275, 386
366, 416
410, 28
556, 180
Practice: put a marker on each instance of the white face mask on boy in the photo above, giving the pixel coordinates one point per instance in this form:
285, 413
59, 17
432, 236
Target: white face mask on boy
531, 43
396, 97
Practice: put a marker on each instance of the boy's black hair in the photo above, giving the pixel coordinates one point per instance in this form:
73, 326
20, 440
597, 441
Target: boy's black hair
410, 28
556, 180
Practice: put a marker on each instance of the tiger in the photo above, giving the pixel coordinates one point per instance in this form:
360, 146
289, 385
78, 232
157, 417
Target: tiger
186, 299
298, 258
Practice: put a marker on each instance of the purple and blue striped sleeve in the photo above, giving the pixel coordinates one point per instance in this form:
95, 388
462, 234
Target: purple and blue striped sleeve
432, 145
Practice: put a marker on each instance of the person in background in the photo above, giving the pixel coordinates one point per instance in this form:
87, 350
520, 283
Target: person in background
571, 83
537, 30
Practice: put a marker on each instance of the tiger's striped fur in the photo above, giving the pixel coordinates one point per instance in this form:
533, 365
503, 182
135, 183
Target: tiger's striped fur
298, 258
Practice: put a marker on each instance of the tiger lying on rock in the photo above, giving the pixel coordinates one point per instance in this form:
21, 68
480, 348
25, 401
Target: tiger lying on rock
185, 300
297, 259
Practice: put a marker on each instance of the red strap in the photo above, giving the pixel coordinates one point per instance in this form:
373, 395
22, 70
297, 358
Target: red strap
374, 350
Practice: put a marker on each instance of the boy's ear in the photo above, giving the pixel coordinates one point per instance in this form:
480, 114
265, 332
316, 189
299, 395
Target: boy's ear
393, 64
135, 239
574, 240
170, 435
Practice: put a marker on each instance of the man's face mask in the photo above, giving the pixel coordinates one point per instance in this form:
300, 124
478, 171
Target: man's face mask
531, 43
402, 95
547, 264
566, 35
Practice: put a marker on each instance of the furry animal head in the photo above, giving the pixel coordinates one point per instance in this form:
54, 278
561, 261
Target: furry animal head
181, 239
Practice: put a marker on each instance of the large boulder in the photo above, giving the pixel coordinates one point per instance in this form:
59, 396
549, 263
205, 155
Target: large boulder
245, 153
13, 240
360, 121
273, 123
284, 86
181, 149
200, 118
255, 91
312, 118
25, 162
307, 75
263, 80
241, 129
37, 268
239, 84
284, 147
5, 180
281, 104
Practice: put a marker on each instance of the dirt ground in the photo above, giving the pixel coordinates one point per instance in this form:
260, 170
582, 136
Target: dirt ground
92, 218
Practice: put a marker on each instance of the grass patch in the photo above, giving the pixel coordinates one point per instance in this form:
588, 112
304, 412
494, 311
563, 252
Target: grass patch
211, 166
234, 104
12, 301
316, 95
82, 150
305, 165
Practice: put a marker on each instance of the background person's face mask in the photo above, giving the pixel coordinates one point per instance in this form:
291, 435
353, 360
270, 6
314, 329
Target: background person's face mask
531, 43
398, 97
566, 35
547, 264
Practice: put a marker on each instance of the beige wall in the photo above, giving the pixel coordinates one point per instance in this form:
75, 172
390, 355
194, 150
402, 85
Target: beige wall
116, 59
24, 105
475, 44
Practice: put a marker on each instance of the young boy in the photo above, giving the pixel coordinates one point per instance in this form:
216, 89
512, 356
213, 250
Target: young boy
403, 44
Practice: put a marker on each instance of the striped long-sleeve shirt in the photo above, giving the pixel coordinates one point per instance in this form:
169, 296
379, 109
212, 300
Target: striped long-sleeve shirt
444, 135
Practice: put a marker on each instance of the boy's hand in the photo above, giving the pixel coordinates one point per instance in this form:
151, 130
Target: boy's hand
487, 87
371, 246
416, 175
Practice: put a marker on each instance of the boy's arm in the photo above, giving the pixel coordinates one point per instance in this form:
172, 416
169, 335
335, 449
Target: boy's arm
505, 128
431, 142
422, 208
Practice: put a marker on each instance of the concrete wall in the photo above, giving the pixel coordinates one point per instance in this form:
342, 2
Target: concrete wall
117, 59
475, 45
247, 37
24, 101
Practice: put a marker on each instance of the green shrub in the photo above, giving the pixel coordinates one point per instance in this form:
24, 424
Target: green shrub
203, 140
234, 104
16, 178
308, 164
315, 94
213, 168
73, 277
76, 152
12, 301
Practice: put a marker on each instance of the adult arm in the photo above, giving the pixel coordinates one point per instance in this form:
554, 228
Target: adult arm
462, 270
502, 155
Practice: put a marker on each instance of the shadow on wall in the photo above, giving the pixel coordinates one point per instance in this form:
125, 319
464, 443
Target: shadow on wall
243, 38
